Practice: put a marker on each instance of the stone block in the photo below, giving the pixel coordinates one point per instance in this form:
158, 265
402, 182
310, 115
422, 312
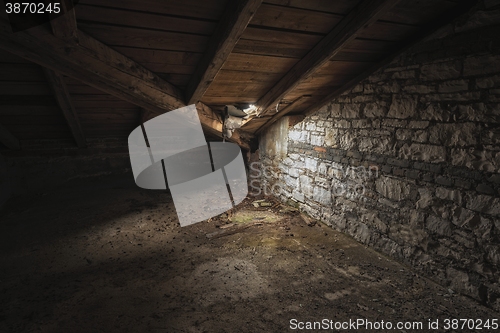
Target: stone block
439, 226
419, 89
351, 111
488, 82
393, 189
447, 194
418, 124
482, 65
440, 71
331, 135
483, 203
444, 181
402, 107
453, 86
423, 152
459, 134
374, 110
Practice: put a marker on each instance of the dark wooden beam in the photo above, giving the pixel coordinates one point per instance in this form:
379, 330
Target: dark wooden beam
212, 123
229, 30
441, 21
95, 64
295, 105
362, 16
9, 140
63, 99
64, 26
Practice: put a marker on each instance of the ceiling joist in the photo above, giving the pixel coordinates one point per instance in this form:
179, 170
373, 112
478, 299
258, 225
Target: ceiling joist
95, 64
363, 15
99, 66
229, 30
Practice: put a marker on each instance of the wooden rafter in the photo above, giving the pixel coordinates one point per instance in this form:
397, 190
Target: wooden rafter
443, 20
212, 123
95, 64
229, 30
363, 15
64, 26
294, 106
63, 99
8, 140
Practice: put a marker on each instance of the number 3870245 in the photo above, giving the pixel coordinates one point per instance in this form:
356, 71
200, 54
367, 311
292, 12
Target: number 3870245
32, 8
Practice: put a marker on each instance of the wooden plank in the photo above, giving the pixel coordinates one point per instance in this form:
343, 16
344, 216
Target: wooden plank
267, 48
145, 38
229, 30
278, 36
6, 57
21, 73
55, 120
23, 88
211, 10
225, 100
8, 140
258, 63
228, 76
417, 12
238, 89
386, 31
157, 21
29, 110
277, 116
337, 6
399, 49
63, 99
64, 26
335, 67
95, 64
365, 14
160, 56
290, 18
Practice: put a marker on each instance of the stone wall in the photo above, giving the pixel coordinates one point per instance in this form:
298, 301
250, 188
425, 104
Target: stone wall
408, 161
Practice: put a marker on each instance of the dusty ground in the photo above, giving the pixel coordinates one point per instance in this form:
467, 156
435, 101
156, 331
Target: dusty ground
106, 256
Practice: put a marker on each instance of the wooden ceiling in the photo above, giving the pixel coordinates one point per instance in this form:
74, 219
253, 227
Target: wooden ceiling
100, 70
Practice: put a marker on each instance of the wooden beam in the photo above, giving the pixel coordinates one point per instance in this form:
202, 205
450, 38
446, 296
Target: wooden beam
212, 123
234, 21
64, 26
63, 99
362, 16
289, 108
95, 64
9, 140
443, 20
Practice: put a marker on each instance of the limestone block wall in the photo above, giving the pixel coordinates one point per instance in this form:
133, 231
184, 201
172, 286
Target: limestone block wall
408, 161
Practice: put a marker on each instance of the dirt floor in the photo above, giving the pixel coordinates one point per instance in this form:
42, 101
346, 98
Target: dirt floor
102, 255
